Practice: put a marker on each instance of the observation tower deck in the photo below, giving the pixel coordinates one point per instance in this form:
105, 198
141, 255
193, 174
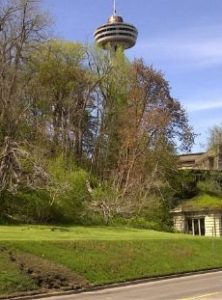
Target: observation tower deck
116, 33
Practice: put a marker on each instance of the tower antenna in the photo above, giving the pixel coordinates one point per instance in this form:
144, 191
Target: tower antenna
114, 7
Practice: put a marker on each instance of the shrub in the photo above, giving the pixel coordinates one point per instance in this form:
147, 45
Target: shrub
69, 190
26, 207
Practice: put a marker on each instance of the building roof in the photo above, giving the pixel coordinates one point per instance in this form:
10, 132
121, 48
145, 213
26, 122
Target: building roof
198, 160
203, 202
190, 156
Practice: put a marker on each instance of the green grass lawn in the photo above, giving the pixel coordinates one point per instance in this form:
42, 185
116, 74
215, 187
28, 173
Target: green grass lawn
103, 255
52, 233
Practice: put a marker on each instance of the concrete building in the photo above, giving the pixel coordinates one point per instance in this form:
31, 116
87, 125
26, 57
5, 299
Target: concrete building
196, 218
210, 160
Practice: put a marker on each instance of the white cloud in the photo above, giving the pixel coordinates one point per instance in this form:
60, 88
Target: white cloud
199, 47
203, 105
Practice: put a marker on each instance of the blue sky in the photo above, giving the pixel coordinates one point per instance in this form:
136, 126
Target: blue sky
183, 39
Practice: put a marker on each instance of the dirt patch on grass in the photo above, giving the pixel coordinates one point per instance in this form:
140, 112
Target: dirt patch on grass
47, 275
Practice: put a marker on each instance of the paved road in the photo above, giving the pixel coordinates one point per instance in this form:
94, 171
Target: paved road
197, 287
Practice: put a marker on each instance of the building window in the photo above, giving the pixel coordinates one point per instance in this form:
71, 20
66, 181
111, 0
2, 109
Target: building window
189, 226
195, 226
202, 226
211, 163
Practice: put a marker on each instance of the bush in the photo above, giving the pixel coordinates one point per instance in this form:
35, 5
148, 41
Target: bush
26, 207
69, 191
142, 223
64, 201
139, 222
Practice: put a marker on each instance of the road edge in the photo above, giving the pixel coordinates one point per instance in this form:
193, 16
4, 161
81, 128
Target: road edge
113, 285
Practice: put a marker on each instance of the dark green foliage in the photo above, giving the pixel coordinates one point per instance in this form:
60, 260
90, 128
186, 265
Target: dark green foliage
211, 182
68, 190
157, 217
184, 185
142, 223
27, 207
189, 183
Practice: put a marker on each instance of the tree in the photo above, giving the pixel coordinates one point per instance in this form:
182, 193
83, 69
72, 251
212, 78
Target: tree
66, 87
151, 124
215, 137
111, 98
57, 81
140, 126
22, 26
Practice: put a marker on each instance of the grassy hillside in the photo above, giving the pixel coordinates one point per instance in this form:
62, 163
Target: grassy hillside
11, 279
52, 233
49, 258
203, 201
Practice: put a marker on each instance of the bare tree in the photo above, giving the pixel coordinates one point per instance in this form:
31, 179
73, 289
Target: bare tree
22, 27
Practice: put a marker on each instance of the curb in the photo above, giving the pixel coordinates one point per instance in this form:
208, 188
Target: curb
113, 285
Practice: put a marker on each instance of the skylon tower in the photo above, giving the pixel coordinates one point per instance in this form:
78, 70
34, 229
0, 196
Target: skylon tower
116, 33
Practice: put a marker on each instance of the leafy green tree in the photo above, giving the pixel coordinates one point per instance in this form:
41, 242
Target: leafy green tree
68, 190
111, 102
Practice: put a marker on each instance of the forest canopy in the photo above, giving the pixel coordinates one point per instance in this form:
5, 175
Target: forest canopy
85, 136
